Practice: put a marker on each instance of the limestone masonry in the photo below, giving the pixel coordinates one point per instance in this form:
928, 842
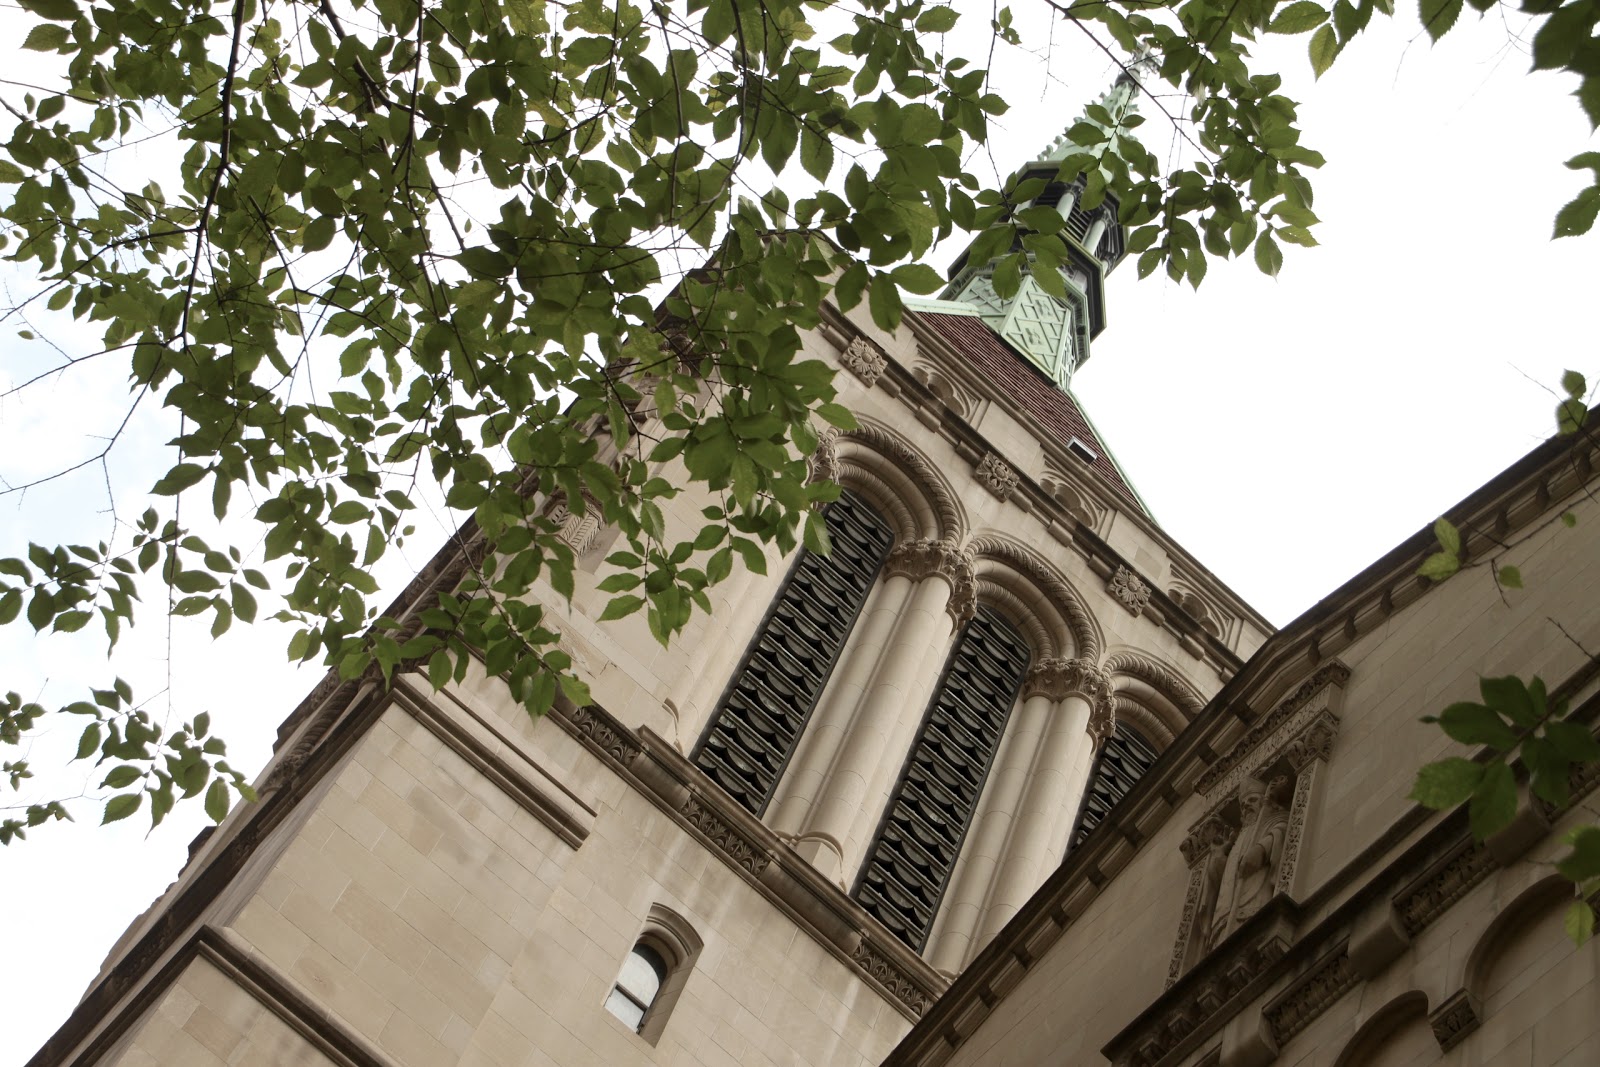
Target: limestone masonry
1008, 778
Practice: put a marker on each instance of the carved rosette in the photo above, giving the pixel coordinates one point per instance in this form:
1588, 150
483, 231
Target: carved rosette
864, 360
996, 475
1057, 678
926, 557
1129, 590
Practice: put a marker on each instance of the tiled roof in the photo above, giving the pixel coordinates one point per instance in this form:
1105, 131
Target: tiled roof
1015, 377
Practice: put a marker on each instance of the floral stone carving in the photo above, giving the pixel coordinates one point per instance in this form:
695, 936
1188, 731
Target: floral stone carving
1129, 590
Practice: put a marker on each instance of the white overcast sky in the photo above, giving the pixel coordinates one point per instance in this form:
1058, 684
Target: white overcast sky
1286, 431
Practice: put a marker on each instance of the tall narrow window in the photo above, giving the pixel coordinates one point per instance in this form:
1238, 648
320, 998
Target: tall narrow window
1122, 762
909, 864
773, 693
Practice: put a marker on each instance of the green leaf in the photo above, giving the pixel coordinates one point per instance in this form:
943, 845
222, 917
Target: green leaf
1579, 922
1583, 862
1574, 384
1494, 802
1577, 217
1509, 576
1572, 741
47, 37
1438, 16
1570, 416
884, 300
1269, 257
620, 607
937, 20
1446, 783
121, 806
1439, 566
1324, 50
1475, 724
217, 800
55, 10
179, 478
918, 278
1448, 536
1298, 17
1509, 696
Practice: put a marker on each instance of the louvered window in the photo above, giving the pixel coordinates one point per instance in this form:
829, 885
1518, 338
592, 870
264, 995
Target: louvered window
1123, 761
754, 732
909, 864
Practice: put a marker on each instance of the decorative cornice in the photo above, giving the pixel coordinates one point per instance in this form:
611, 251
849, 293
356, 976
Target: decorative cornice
1453, 1020
1334, 674
865, 360
926, 557
996, 475
739, 849
1129, 590
1446, 882
765, 861
1190, 1011
1057, 678
1310, 995
604, 732
886, 974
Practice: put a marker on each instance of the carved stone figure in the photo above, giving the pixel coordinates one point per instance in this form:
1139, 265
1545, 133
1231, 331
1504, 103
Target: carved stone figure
1129, 590
1258, 863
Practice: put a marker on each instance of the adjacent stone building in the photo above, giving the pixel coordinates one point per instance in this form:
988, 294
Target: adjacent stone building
1007, 778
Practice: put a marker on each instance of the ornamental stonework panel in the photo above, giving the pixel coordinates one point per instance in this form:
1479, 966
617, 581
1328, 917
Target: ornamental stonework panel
1246, 849
1129, 590
865, 361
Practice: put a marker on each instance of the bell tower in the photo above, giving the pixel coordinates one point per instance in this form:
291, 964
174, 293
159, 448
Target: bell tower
1054, 329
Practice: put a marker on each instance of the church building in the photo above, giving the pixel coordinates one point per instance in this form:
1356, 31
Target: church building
1007, 778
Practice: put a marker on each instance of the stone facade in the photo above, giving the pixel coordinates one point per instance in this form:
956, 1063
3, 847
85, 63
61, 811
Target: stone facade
431, 879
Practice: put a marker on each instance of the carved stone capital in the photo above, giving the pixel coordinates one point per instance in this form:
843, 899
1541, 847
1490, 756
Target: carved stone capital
825, 460
1316, 743
926, 557
864, 360
1129, 590
1213, 834
578, 531
1453, 1020
1057, 678
996, 475
1102, 720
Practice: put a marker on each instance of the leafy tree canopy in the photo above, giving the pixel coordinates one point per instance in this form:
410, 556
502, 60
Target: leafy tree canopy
409, 242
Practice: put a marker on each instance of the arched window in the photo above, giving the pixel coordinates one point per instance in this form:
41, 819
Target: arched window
753, 734
909, 864
1123, 760
635, 991
654, 973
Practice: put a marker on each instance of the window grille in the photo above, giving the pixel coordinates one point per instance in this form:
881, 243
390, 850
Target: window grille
909, 864
773, 693
1122, 762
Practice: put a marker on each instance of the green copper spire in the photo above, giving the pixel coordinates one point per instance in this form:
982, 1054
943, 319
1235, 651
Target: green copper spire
1053, 332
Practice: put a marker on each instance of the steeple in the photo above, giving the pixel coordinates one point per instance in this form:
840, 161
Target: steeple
1054, 333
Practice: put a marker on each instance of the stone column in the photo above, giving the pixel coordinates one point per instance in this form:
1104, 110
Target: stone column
883, 722
981, 852
819, 744
1080, 697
